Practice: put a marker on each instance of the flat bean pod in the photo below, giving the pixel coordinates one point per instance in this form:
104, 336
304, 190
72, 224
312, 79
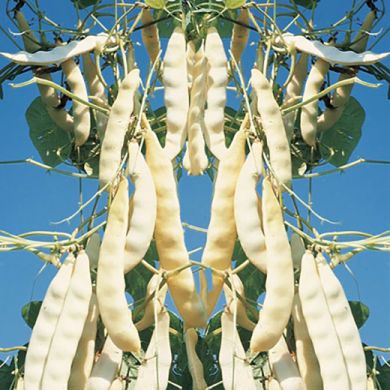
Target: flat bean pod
149, 35
240, 35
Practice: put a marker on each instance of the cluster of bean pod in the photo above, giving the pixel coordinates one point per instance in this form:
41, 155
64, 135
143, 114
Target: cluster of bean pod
61, 353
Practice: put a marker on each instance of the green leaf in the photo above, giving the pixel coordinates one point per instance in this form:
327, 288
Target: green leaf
52, 143
232, 4
338, 142
85, 3
384, 375
309, 4
6, 376
360, 312
30, 312
157, 4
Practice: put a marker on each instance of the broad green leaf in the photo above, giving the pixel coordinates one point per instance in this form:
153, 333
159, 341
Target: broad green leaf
232, 4
165, 25
52, 143
360, 312
224, 27
157, 4
30, 312
338, 142
306, 3
85, 3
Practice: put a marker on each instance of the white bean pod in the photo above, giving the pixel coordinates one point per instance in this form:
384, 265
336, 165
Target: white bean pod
117, 384
45, 325
106, 368
110, 282
69, 327
20, 384
174, 79
152, 300
97, 90
321, 327
279, 284
240, 35
293, 90
239, 305
93, 248
341, 95
284, 368
85, 354
305, 354
195, 159
344, 323
217, 81
169, 234
49, 95
236, 371
272, 121
309, 111
190, 57
81, 115
153, 373
117, 125
221, 233
248, 222
195, 365
297, 249
149, 35
272, 384
331, 54
144, 209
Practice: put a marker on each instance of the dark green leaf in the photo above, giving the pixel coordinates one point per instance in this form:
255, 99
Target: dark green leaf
231, 4
165, 26
384, 376
157, 4
52, 143
360, 312
338, 142
225, 27
306, 3
6, 376
84, 3
30, 312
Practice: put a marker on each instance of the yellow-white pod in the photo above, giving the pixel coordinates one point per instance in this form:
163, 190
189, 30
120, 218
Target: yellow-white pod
144, 208
371, 384
49, 95
149, 35
81, 115
85, 354
297, 249
341, 95
221, 233
174, 79
236, 371
273, 126
20, 384
153, 373
190, 56
240, 35
321, 327
110, 282
272, 384
97, 90
246, 215
195, 159
148, 317
279, 284
169, 234
346, 329
309, 111
45, 325
93, 248
293, 90
195, 365
117, 384
69, 327
106, 368
118, 122
217, 81
305, 354
284, 368
238, 305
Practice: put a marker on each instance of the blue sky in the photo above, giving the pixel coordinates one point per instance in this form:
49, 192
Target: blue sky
32, 198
